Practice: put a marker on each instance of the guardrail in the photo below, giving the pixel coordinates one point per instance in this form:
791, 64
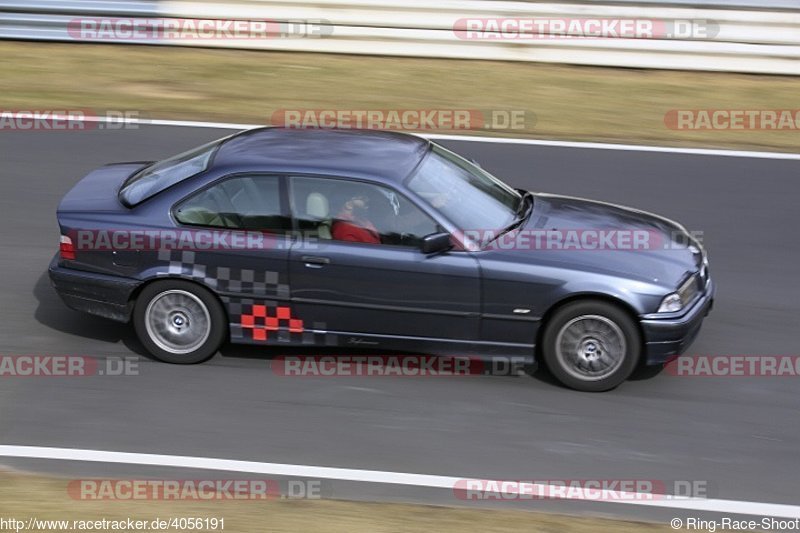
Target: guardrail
715, 39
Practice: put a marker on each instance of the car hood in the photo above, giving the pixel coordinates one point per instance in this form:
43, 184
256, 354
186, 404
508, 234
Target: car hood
669, 255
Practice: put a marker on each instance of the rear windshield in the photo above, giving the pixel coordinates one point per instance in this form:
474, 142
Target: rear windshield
155, 178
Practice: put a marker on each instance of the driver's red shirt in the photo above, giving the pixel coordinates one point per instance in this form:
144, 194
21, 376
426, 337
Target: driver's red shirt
347, 228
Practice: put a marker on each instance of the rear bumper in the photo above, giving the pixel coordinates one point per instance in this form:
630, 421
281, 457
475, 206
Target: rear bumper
668, 337
93, 293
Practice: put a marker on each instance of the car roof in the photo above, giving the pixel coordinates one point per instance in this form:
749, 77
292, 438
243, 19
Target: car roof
353, 152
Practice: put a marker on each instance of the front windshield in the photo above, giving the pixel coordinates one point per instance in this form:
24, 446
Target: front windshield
163, 174
467, 195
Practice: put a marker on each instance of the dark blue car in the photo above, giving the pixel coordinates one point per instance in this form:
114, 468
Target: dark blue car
375, 239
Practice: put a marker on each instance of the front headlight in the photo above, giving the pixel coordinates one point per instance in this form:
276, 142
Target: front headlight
686, 294
671, 303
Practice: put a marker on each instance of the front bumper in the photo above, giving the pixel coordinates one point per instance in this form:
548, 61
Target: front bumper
668, 337
93, 293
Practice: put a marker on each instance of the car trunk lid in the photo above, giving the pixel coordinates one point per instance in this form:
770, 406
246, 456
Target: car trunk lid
98, 190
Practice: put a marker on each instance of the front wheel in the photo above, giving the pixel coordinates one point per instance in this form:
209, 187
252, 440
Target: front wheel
591, 345
179, 322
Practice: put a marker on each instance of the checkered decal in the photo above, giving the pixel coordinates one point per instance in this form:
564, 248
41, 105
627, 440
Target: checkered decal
261, 322
269, 321
252, 319
265, 283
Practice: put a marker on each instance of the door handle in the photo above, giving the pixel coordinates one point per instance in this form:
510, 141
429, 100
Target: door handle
313, 261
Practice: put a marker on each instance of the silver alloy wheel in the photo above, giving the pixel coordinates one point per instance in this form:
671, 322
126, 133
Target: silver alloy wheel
177, 321
590, 347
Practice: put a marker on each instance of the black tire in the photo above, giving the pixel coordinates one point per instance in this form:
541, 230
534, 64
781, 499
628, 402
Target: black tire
590, 358
189, 301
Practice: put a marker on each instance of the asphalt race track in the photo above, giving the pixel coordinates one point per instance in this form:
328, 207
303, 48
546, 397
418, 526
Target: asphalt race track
738, 434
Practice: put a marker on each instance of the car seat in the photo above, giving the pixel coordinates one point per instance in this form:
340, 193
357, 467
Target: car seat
318, 211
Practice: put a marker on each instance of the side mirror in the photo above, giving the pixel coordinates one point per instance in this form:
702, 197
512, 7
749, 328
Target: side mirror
436, 242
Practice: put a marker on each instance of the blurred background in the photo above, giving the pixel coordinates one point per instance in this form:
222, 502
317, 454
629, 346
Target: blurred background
639, 72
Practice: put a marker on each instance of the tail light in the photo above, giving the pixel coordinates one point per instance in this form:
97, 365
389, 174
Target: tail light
66, 248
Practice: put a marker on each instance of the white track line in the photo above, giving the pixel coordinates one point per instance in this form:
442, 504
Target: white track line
376, 476
473, 138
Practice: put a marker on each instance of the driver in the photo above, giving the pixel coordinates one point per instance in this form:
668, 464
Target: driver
351, 223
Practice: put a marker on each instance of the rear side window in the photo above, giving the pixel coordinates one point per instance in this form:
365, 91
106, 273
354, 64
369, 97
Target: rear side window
245, 202
155, 178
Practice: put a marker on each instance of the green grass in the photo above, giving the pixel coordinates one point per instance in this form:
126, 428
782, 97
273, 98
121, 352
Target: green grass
569, 102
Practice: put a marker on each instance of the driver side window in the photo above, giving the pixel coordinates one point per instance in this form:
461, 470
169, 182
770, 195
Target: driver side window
352, 211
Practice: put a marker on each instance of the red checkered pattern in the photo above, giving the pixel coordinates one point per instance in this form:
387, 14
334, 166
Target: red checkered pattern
261, 322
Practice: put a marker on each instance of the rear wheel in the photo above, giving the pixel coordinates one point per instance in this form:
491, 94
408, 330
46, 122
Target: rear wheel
179, 322
591, 345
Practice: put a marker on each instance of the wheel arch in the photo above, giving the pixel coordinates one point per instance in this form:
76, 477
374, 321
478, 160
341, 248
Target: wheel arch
134, 296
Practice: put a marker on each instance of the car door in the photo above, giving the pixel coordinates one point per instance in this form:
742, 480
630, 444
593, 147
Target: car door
363, 274
246, 264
